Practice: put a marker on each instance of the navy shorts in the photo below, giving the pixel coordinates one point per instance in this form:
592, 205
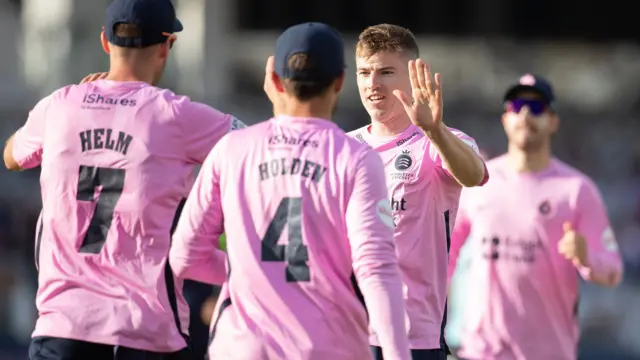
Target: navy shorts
50, 348
416, 354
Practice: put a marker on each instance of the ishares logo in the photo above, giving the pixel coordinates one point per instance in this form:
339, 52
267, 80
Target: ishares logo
404, 161
97, 99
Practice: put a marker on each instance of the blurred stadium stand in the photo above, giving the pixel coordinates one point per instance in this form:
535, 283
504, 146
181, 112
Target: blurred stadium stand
591, 54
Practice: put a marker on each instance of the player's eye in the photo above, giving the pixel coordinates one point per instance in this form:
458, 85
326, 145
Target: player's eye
363, 73
387, 72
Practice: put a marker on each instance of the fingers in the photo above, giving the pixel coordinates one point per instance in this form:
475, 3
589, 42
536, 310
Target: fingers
404, 98
566, 249
413, 77
567, 227
86, 79
423, 81
94, 77
438, 90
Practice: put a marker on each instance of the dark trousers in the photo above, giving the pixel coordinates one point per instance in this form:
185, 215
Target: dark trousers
416, 354
50, 348
196, 293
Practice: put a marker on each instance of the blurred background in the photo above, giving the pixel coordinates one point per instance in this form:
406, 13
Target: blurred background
590, 53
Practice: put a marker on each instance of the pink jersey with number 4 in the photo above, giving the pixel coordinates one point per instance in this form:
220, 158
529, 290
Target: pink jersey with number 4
424, 200
524, 292
117, 158
307, 223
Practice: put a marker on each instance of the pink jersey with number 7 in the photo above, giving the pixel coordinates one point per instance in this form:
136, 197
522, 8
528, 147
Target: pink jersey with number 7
117, 159
308, 224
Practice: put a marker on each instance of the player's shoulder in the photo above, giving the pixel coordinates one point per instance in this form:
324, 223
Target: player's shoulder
497, 162
176, 101
61, 93
56, 98
358, 131
573, 175
179, 103
242, 137
246, 131
465, 138
459, 133
355, 138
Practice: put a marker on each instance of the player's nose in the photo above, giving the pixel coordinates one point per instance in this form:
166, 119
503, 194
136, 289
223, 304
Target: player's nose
525, 113
375, 80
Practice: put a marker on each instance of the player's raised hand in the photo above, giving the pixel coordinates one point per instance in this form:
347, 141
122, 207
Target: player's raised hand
424, 106
94, 77
573, 246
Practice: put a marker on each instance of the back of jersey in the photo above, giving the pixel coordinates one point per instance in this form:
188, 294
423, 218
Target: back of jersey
117, 158
293, 227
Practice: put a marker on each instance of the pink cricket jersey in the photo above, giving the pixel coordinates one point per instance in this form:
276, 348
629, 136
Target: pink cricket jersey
424, 201
307, 222
524, 294
117, 158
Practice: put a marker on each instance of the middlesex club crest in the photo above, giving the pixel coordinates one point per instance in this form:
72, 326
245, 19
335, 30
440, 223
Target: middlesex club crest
404, 161
544, 208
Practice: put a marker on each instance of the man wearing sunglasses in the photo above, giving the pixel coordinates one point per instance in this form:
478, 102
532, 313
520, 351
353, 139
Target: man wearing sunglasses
117, 157
535, 228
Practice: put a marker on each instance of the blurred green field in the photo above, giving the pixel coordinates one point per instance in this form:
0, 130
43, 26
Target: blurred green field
222, 242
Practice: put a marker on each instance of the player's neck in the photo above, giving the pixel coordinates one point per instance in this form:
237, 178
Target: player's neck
119, 72
390, 127
309, 109
529, 161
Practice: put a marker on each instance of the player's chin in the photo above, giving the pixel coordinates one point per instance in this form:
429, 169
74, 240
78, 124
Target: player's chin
375, 114
380, 115
531, 143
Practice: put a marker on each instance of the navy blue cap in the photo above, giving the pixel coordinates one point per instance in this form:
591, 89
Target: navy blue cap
152, 17
322, 46
534, 83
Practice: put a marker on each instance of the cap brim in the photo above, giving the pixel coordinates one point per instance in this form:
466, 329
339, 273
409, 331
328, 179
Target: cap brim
177, 26
514, 90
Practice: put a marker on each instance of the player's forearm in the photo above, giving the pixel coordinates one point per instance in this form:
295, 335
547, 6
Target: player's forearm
459, 158
382, 291
603, 269
208, 267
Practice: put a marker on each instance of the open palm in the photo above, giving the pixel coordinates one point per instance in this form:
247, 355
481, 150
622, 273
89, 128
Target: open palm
424, 106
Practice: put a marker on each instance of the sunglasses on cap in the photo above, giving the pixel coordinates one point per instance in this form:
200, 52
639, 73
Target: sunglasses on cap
536, 107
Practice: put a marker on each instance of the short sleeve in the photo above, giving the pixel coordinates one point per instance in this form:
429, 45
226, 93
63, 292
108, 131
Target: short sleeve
29, 139
435, 156
593, 223
204, 126
592, 220
437, 159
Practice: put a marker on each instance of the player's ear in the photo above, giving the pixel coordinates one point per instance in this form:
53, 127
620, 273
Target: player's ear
554, 122
104, 42
164, 50
504, 120
277, 82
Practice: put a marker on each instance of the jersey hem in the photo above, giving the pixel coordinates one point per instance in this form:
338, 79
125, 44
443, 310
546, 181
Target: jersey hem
425, 343
114, 341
